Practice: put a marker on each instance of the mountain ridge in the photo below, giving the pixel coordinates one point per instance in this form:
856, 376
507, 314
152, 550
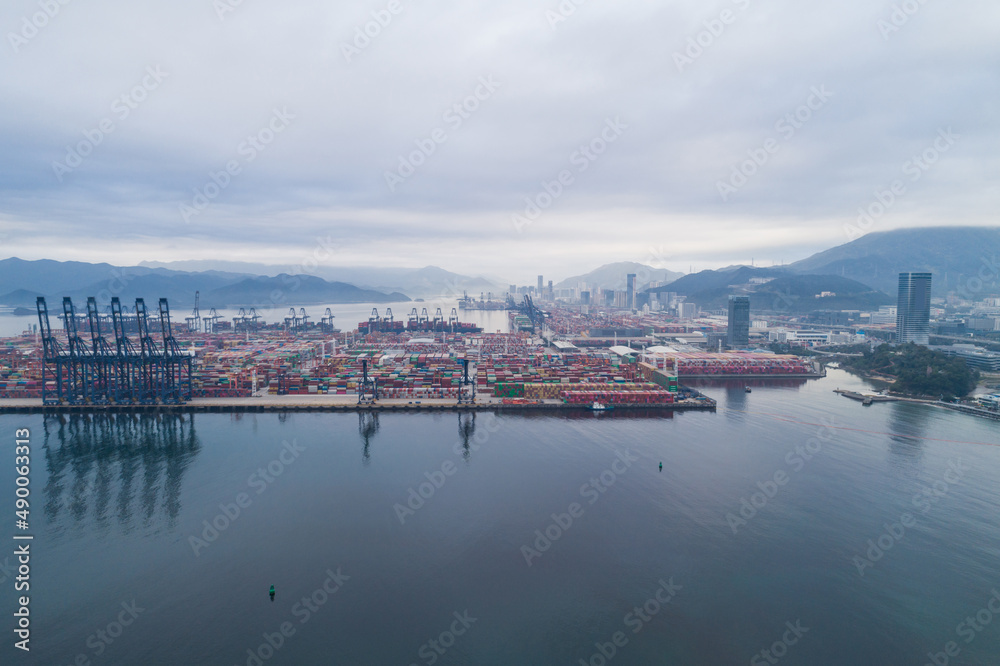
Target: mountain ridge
612, 276
427, 281
79, 280
954, 255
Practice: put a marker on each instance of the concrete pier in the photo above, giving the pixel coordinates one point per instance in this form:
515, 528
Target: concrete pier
327, 403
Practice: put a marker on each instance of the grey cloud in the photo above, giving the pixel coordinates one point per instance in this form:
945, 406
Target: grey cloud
687, 129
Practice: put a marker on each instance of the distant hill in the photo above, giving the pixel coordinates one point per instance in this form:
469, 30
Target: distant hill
952, 254
20, 297
612, 276
703, 281
176, 287
46, 276
297, 290
432, 281
784, 291
426, 282
55, 279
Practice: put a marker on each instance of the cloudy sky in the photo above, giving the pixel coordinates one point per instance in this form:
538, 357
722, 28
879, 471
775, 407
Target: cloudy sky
504, 138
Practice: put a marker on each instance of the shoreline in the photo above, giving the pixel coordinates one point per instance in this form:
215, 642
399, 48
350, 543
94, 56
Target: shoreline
893, 397
325, 404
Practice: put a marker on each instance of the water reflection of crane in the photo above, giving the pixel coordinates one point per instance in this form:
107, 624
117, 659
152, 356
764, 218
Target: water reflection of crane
94, 464
466, 430
367, 428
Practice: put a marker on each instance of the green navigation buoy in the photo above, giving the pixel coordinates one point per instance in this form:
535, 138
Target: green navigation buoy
272, 592
661, 469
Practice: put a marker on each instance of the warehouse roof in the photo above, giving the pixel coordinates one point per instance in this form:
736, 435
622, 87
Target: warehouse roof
622, 350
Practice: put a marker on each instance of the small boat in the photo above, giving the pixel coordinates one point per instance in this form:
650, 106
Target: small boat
598, 407
747, 389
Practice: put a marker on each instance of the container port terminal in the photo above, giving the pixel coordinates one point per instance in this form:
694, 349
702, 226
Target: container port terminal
134, 358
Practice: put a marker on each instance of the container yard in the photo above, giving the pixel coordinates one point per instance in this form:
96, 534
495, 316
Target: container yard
740, 364
419, 363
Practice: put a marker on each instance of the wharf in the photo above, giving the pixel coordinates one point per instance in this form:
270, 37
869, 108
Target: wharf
964, 409
861, 397
758, 375
975, 411
300, 403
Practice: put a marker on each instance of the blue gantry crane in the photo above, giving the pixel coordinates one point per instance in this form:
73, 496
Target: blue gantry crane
98, 373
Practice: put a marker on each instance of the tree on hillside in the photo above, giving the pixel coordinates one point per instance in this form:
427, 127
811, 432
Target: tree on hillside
919, 370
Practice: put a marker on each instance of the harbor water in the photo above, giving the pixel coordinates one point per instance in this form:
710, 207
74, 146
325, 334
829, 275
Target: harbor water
791, 520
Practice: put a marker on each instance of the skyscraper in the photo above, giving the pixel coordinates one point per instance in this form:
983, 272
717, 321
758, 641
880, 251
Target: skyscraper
738, 335
913, 310
540, 285
630, 291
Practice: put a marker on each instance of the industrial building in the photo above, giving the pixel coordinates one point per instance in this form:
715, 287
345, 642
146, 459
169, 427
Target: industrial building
991, 401
974, 357
886, 315
801, 337
983, 323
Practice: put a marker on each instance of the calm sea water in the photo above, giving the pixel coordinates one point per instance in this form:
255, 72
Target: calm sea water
128, 569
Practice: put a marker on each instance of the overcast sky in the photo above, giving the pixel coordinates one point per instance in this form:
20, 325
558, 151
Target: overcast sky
314, 118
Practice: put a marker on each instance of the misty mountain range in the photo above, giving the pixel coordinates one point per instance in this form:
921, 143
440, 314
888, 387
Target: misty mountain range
863, 273
55, 279
427, 282
955, 255
612, 276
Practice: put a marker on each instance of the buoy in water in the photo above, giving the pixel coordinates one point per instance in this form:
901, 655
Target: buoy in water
661, 467
271, 593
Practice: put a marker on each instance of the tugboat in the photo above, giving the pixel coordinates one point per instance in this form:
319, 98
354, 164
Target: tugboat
598, 407
747, 389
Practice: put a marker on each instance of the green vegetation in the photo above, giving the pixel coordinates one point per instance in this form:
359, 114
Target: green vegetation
918, 370
859, 348
785, 348
786, 292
